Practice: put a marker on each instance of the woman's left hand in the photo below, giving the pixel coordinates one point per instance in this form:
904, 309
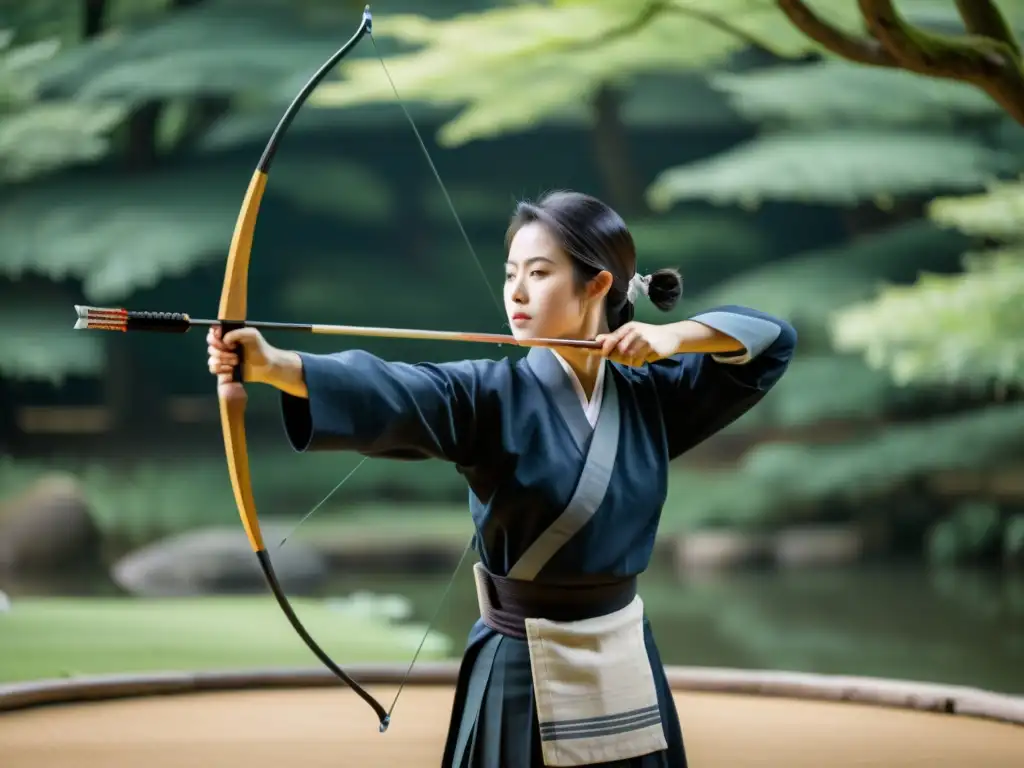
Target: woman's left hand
636, 343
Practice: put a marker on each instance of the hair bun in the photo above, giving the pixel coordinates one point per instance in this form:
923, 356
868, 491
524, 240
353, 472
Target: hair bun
665, 288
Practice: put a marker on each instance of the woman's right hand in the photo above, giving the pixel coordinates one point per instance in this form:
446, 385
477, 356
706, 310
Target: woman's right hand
223, 358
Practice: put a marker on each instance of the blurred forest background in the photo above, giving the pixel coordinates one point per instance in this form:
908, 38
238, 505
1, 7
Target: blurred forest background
880, 211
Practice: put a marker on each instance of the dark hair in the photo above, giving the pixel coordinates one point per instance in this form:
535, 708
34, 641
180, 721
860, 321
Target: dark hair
596, 238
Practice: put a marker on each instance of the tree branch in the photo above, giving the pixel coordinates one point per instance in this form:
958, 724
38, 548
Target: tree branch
856, 48
926, 52
983, 17
987, 63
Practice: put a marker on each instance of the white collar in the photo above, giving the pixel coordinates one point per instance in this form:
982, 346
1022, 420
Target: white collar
592, 408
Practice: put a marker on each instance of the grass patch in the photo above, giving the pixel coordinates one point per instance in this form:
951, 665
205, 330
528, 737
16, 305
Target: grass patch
44, 638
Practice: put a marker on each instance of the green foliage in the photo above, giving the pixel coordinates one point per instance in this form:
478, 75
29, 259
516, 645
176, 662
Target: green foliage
837, 166
47, 638
822, 388
39, 341
119, 232
997, 213
960, 328
216, 47
510, 68
942, 16
951, 328
809, 287
707, 244
39, 137
1013, 539
49, 136
168, 495
971, 532
971, 440
474, 201
785, 483
444, 284
834, 92
342, 188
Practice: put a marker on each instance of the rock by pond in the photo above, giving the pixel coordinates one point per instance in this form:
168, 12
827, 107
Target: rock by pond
48, 528
217, 561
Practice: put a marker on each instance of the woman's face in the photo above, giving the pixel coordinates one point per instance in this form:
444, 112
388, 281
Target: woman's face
541, 298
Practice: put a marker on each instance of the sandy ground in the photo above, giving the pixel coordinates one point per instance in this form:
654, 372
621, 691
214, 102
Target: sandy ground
311, 728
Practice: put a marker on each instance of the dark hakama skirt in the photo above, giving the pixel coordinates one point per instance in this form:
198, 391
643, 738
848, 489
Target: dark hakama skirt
494, 719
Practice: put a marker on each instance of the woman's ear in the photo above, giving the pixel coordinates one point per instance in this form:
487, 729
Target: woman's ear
599, 286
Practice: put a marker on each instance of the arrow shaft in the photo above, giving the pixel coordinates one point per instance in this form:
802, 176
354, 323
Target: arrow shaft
102, 319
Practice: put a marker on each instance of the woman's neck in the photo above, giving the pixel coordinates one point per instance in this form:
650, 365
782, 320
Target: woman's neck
586, 363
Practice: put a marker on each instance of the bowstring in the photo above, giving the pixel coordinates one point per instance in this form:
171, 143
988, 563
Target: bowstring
320, 503
501, 311
494, 298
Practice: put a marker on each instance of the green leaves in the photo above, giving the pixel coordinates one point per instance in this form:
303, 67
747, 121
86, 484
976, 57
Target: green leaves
838, 93
998, 213
216, 47
40, 137
860, 470
39, 341
706, 247
510, 68
823, 388
953, 328
50, 136
948, 328
840, 166
340, 187
809, 287
120, 233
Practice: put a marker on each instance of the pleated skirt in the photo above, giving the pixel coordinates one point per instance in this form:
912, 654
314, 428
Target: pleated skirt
494, 717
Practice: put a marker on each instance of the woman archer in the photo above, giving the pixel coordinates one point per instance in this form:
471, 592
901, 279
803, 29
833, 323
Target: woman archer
566, 456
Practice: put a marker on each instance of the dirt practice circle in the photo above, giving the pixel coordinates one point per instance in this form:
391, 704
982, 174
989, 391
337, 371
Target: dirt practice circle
305, 720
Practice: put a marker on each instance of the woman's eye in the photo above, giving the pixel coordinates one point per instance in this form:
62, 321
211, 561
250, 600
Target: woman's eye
538, 273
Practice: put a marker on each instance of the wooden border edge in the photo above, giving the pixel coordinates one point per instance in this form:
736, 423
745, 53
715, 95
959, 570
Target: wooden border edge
925, 697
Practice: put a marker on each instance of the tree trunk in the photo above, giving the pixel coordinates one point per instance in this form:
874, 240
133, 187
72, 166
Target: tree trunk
611, 145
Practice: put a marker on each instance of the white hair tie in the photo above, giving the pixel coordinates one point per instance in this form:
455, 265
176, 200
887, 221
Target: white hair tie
638, 284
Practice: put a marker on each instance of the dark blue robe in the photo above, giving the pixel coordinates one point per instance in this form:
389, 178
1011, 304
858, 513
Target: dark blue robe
505, 427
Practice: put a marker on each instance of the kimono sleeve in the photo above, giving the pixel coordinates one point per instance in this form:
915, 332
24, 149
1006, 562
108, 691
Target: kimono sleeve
702, 394
359, 402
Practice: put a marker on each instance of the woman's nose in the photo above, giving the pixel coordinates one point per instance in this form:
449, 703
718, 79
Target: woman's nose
518, 295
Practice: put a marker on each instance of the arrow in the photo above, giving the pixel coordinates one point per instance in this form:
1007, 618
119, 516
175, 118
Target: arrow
116, 319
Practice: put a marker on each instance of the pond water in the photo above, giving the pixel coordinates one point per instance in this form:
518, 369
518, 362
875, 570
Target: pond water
959, 627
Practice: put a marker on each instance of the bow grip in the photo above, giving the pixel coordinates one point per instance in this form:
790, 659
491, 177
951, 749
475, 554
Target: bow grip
238, 372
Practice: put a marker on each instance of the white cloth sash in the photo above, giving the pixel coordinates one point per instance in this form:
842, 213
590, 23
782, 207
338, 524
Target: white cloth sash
594, 688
